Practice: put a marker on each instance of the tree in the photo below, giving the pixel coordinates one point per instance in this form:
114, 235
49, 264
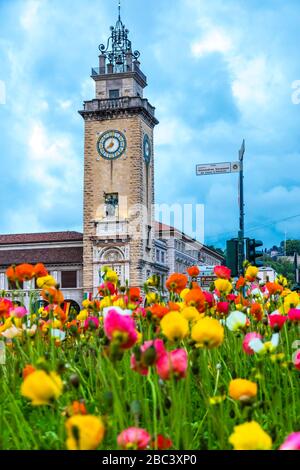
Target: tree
218, 250
291, 247
281, 266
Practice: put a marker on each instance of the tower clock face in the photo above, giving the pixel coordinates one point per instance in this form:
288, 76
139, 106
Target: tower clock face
111, 145
147, 149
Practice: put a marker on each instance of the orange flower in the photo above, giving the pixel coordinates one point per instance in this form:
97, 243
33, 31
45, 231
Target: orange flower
134, 294
240, 282
52, 295
158, 311
11, 273
193, 271
29, 369
241, 300
77, 408
39, 270
173, 306
256, 311
176, 282
195, 298
24, 272
59, 313
274, 288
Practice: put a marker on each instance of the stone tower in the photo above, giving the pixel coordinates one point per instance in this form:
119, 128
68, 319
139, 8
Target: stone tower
118, 167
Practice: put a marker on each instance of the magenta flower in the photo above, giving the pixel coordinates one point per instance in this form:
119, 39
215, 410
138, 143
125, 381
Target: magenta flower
91, 322
209, 298
294, 314
146, 357
174, 363
223, 308
249, 337
292, 442
134, 438
18, 312
297, 359
277, 320
120, 328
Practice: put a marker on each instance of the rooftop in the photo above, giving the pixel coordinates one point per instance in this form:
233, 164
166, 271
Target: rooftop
24, 238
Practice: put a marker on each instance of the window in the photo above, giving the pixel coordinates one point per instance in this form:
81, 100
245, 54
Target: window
111, 202
157, 255
68, 279
114, 94
162, 257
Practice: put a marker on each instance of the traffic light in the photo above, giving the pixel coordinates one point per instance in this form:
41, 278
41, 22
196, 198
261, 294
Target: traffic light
232, 256
252, 255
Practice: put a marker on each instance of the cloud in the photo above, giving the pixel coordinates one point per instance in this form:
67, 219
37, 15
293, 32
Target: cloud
214, 41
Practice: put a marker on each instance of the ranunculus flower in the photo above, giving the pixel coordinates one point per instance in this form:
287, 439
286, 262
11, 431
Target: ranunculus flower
174, 326
256, 311
242, 389
12, 332
176, 282
223, 308
92, 323
148, 355
196, 298
297, 359
119, 310
172, 363
292, 442
5, 306
294, 315
84, 432
251, 273
222, 272
250, 436
249, 337
42, 387
223, 286
134, 439
162, 443
209, 298
120, 328
18, 312
193, 271
277, 321
260, 347
208, 333
236, 320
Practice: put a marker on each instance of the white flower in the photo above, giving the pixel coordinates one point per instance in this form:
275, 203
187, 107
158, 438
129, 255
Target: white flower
259, 347
55, 333
12, 332
119, 310
236, 320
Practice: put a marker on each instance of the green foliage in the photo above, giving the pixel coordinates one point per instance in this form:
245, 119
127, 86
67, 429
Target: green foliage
281, 266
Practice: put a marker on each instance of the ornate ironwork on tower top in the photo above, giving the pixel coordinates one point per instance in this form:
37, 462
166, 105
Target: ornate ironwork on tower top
118, 51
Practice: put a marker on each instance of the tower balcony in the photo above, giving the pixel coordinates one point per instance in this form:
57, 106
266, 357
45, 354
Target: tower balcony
112, 106
108, 69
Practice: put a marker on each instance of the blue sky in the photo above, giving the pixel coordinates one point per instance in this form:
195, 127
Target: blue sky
218, 72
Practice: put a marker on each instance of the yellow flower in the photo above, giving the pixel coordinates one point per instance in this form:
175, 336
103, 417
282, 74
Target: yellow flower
174, 326
85, 432
208, 332
7, 324
151, 297
183, 293
251, 273
291, 301
191, 314
120, 303
111, 276
105, 302
82, 315
46, 281
223, 286
250, 436
217, 399
86, 303
41, 387
281, 280
242, 389
56, 324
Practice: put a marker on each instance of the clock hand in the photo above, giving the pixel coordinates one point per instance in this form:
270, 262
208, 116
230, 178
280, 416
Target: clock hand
111, 144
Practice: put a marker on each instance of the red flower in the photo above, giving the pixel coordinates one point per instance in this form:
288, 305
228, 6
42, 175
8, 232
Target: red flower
277, 320
134, 294
223, 272
193, 271
158, 311
29, 369
161, 443
294, 314
223, 308
256, 311
209, 298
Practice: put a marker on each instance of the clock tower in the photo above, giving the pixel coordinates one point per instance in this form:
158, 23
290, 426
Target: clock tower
118, 167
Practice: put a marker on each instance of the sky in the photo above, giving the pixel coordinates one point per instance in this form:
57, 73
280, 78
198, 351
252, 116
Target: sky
218, 72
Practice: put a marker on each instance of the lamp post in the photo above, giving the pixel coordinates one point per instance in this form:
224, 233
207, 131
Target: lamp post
241, 254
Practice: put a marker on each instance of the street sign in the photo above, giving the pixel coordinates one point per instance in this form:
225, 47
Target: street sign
217, 168
206, 281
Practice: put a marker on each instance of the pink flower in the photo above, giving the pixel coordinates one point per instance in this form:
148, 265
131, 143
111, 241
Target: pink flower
173, 363
249, 337
292, 442
223, 308
277, 321
231, 297
294, 314
297, 359
18, 312
222, 272
120, 328
209, 298
149, 353
107, 287
134, 438
91, 322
